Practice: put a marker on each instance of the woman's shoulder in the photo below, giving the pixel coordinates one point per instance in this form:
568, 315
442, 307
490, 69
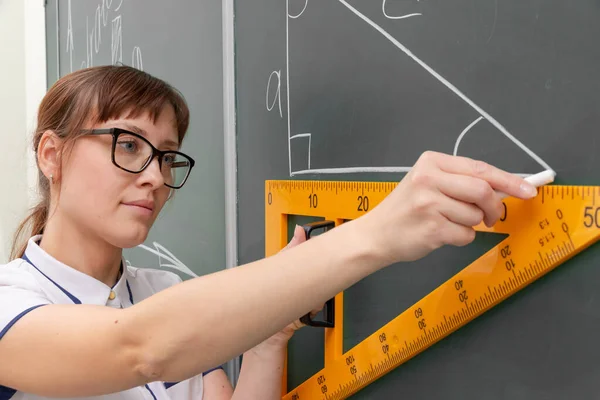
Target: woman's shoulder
18, 273
20, 292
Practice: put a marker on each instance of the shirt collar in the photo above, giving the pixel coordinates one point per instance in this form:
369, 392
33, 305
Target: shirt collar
75, 284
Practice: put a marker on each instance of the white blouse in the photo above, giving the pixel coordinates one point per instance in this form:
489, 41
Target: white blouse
39, 279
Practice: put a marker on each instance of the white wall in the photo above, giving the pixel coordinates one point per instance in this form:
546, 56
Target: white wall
23, 84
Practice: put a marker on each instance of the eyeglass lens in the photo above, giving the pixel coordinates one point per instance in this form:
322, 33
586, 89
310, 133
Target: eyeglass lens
132, 153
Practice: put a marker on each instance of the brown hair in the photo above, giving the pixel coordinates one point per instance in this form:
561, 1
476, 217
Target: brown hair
94, 95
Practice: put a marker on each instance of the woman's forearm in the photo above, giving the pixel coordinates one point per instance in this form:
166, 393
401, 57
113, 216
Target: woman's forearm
183, 330
261, 373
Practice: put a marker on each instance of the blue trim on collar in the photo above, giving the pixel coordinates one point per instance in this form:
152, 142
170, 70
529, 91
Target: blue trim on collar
129, 290
169, 384
121, 273
150, 390
69, 295
6, 393
11, 323
211, 370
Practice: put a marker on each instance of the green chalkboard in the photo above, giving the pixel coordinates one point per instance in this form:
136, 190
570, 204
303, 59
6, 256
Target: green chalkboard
358, 89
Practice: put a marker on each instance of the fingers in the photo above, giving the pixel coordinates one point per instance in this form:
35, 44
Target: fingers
457, 235
498, 179
461, 213
299, 237
297, 324
472, 192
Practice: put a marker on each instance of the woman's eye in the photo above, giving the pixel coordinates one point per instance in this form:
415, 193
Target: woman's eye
128, 145
169, 159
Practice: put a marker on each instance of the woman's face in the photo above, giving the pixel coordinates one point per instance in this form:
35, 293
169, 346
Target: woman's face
116, 205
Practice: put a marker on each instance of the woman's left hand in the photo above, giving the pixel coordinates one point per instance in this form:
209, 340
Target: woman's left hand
282, 337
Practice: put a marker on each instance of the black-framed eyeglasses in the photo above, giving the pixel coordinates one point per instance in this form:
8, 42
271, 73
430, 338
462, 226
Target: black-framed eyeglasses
133, 153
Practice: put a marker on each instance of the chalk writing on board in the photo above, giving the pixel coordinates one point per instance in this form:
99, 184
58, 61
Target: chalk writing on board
304, 135
116, 45
483, 115
301, 12
463, 133
276, 75
398, 16
166, 259
136, 58
69, 35
96, 29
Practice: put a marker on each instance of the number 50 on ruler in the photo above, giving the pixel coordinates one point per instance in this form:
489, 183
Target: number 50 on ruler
542, 233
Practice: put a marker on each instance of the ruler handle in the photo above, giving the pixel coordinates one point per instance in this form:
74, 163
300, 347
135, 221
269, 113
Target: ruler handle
329, 309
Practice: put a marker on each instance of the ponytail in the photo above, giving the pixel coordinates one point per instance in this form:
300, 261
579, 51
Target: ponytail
32, 225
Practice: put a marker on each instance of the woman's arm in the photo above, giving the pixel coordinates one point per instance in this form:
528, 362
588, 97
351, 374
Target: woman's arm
173, 335
216, 386
83, 350
262, 367
261, 373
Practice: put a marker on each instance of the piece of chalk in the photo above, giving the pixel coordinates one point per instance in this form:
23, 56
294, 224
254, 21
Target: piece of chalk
537, 180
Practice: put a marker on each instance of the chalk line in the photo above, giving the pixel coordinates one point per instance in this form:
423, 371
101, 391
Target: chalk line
464, 132
446, 83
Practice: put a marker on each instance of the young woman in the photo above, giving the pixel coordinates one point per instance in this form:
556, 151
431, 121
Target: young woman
75, 321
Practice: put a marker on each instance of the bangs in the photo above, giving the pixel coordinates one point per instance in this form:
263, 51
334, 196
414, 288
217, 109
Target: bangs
131, 93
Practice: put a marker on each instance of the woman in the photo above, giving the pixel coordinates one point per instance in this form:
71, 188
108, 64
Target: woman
75, 321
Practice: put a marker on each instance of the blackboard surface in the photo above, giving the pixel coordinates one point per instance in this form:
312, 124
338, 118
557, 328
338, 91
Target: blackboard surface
181, 43
358, 89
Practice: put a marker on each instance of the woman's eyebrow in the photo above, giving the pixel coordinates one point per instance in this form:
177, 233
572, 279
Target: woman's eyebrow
136, 129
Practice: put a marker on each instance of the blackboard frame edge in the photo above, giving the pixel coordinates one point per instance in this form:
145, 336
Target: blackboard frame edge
230, 154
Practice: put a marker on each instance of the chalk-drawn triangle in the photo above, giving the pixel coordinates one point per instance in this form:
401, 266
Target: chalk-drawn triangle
342, 117
481, 140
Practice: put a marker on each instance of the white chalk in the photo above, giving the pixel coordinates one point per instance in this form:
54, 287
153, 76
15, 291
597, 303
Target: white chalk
537, 180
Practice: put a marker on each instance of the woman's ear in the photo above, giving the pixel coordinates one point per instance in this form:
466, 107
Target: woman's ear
48, 154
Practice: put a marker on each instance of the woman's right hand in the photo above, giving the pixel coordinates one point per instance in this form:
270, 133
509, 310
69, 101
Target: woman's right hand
437, 203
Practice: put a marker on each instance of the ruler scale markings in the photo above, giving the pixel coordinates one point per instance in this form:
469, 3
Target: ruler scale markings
543, 195
563, 251
537, 265
521, 276
542, 259
533, 271
559, 252
336, 200
571, 242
